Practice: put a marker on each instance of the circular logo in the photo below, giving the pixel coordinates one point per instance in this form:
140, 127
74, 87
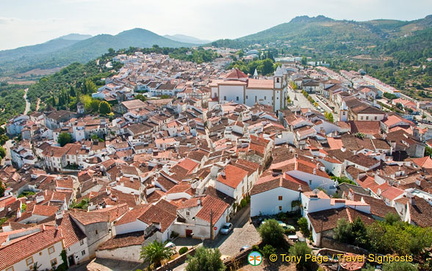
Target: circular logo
255, 258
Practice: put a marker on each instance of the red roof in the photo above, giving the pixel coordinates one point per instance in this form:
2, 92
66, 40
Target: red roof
391, 193
236, 74
27, 246
214, 206
156, 215
71, 232
425, 162
233, 176
188, 164
44, 210
133, 214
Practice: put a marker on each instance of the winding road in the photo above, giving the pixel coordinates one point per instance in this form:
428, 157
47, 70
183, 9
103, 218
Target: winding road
27, 108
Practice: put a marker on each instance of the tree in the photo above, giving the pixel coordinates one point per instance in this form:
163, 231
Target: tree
390, 96
304, 226
89, 87
399, 266
341, 180
3, 139
64, 138
329, 116
301, 249
267, 66
342, 232
2, 189
205, 259
2, 152
391, 218
104, 107
271, 232
86, 101
141, 97
94, 105
155, 252
359, 233
428, 151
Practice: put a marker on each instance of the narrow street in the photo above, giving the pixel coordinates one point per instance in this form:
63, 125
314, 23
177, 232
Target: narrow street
243, 234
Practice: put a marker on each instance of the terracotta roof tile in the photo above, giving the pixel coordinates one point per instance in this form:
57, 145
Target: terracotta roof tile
28, 245
70, 230
155, 214
133, 215
327, 219
269, 183
123, 240
212, 205
233, 176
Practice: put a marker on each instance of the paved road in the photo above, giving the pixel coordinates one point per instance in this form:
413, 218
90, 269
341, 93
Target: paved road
299, 100
244, 233
27, 108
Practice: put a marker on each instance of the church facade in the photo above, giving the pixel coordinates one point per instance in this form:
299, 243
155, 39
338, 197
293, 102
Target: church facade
237, 87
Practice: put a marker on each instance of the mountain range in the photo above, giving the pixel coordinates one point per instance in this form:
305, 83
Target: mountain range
322, 34
319, 34
77, 48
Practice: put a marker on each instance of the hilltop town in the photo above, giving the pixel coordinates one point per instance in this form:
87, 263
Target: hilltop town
203, 146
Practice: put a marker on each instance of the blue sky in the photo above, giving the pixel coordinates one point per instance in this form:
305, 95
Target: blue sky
27, 22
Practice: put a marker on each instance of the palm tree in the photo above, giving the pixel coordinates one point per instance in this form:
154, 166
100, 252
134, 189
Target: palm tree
155, 253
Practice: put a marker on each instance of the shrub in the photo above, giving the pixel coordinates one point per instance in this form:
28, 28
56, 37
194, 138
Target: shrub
282, 216
271, 232
303, 225
268, 250
183, 250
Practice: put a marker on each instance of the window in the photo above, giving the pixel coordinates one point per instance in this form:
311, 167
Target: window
361, 118
277, 80
280, 198
247, 97
96, 232
367, 117
82, 242
54, 262
83, 252
51, 250
225, 98
376, 117
256, 98
265, 97
187, 213
280, 208
237, 98
29, 261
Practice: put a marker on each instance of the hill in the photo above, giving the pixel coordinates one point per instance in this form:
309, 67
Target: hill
63, 51
327, 36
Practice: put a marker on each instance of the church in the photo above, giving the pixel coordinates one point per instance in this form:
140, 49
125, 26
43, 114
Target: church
239, 88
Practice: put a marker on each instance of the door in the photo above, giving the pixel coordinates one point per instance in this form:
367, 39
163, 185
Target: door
71, 260
189, 233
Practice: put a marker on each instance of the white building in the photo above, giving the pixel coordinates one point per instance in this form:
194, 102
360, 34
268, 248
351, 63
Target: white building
237, 87
41, 247
272, 195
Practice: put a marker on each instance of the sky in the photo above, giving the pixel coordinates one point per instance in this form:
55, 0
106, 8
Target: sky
28, 22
